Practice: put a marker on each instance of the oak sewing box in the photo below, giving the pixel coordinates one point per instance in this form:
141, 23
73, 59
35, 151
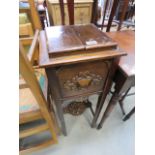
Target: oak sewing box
79, 61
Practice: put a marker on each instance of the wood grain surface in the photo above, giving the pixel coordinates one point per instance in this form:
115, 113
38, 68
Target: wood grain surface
126, 41
78, 51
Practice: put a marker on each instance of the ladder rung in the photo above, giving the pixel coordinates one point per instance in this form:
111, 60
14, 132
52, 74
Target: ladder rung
37, 147
30, 116
32, 131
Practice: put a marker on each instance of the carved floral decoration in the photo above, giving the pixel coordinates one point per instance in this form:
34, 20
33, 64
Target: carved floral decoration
83, 80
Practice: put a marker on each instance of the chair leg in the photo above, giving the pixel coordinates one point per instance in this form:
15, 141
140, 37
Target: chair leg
127, 116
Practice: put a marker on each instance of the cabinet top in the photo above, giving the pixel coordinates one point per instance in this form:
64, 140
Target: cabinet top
75, 43
64, 40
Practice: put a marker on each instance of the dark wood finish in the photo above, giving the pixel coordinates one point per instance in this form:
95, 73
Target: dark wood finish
104, 13
78, 75
105, 91
62, 11
70, 5
113, 11
94, 12
84, 55
125, 75
92, 37
56, 94
78, 80
62, 39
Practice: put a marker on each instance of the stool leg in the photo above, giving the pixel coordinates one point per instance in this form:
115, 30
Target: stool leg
127, 116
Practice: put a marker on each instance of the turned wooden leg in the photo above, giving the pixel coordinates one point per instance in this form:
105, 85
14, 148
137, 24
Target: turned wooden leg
115, 98
98, 109
127, 116
59, 109
54, 86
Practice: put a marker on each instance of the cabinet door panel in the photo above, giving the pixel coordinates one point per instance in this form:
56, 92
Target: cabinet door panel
84, 78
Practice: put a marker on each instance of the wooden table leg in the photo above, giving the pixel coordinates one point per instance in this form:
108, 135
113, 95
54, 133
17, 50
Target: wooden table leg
54, 86
115, 98
106, 90
122, 85
61, 116
98, 109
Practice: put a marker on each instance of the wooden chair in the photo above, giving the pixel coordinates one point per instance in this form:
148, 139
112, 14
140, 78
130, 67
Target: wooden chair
113, 9
121, 18
31, 47
27, 29
70, 6
38, 109
112, 13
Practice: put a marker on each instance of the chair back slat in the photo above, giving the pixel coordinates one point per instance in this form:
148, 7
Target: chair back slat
62, 12
70, 8
94, 12
70, 5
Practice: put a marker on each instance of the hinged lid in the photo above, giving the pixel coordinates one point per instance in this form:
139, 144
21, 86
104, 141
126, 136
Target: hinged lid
66, 40
62, 39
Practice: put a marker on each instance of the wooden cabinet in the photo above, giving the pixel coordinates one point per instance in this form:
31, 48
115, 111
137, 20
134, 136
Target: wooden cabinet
83, 11
79, 61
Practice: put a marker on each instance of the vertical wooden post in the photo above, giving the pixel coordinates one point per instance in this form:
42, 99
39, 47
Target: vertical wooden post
62, 12
94, 12
70, 5
34, 15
